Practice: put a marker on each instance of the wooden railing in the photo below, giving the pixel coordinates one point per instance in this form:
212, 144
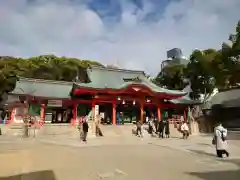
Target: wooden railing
174, 120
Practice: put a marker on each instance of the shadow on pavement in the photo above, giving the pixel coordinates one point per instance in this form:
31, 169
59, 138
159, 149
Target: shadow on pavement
205, 144
39, 175
203, 153
176, 137
220, 175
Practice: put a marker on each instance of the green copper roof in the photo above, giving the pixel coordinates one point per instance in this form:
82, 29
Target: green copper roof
43, 88
102, 78
184, 100
227, 99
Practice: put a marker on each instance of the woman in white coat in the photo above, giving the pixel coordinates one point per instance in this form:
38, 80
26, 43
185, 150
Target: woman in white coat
220, 135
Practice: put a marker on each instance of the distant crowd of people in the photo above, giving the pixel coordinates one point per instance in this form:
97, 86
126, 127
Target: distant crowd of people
161, 128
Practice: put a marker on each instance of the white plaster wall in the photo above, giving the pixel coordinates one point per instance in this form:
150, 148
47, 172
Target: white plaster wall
16, 118
19, 119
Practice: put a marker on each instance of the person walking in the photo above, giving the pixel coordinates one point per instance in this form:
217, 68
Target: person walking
84, 130
220, 141
185, 130
167, 129
147, 120
139, 128
161, 129
97, 124
79, 127
152, 129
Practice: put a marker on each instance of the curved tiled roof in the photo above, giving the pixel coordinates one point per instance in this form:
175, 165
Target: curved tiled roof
102, 78
184, 100
229, 98
43, 88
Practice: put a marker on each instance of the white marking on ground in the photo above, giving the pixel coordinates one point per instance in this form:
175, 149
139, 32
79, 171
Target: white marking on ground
118, 171
106, 175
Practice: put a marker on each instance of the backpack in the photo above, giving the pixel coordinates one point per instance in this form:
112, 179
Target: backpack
222, 136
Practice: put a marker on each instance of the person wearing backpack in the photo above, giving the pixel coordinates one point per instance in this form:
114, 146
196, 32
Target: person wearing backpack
220, 141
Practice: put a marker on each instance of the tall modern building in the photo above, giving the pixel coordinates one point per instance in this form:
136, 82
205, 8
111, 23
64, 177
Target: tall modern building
174, 57
174, 53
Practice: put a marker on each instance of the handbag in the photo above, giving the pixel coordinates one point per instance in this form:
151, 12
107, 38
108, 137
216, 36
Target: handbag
214, 141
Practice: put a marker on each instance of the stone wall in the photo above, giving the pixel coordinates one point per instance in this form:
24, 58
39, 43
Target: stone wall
205, 125
46, 130
67, 130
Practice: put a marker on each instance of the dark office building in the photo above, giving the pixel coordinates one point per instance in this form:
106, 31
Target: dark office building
174, 53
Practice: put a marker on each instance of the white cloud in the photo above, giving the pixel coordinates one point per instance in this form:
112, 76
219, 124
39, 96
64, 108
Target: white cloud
67, 29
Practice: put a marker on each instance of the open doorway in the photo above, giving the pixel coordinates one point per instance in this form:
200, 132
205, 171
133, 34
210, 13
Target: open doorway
150, 112
127, 113
84, 110
105, 111
58, 114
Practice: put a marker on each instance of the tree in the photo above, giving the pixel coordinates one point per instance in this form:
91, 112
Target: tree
199, 72
43, 67
232, 59
171, 77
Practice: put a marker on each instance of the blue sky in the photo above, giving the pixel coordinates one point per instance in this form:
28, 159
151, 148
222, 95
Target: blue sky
111, 11
132, 34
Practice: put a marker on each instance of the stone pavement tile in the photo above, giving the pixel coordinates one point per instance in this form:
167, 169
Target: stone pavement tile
99, 141
195, 146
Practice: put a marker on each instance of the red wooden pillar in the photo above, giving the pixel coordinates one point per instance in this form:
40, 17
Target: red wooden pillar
141, 111
93, 111
74, 113
43, 107
114, 113
12, 116
159, 113
184, 115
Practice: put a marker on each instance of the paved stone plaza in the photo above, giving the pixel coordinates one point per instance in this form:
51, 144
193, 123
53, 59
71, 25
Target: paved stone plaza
115, 158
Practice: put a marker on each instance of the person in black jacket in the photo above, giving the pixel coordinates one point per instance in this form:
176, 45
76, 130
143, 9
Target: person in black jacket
161, 129
167, 129
84, 131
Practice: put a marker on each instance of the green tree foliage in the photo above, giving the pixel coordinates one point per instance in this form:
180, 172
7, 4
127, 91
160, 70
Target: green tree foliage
43, 67
199, 72
206, 69
171, 77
